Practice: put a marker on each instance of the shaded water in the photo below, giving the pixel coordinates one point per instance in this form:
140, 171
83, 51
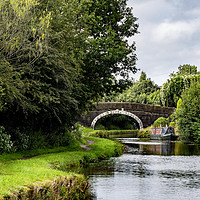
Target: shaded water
149, 170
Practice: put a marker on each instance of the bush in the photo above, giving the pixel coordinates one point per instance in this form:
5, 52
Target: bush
100, 127
76, 131
144, 133
6, 145
27, 139
161, 121
187, 114
172, 124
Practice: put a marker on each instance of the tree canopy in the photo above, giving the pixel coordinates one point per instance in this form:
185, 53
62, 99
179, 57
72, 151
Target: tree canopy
188, 112
57, 57
107, 51
185, 69
138, 93
171, 90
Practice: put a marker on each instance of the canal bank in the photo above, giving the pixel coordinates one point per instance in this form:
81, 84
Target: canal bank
49, 175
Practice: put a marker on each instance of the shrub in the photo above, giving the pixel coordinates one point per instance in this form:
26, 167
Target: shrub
144, 133
187, 114
172, 124
76, 131
100, 127
161, 121
6, 145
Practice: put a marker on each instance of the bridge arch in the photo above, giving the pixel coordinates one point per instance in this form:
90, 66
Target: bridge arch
111, 112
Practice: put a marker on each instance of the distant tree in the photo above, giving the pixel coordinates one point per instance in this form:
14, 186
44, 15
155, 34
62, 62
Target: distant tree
139, 92
154, 98
143, 76
185, 70
161, 122
171, 90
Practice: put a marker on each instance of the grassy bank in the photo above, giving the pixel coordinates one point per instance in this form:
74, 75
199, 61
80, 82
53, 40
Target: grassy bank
113, 133
144, 133
25, 173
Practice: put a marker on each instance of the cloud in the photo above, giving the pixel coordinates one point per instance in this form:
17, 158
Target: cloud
173, 31
151, 10
169, 36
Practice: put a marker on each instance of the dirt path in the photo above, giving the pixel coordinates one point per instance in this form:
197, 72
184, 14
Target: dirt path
88, 143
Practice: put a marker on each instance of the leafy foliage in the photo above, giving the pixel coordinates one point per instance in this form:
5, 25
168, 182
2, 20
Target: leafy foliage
40, 61
56, 58
185, 70
6, 145
161, 122
139, 92
188, 112
171, 90
108, 53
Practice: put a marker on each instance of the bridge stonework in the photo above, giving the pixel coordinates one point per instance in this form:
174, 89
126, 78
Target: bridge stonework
144, 114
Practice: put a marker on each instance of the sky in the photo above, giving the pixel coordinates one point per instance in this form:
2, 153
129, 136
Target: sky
169, 36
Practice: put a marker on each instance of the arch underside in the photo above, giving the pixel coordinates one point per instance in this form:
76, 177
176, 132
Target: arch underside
116, 112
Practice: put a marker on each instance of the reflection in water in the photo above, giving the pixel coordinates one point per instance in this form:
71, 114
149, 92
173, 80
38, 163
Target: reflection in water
144, 173
162, 147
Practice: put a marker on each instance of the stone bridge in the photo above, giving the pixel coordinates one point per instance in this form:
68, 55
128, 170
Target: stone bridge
143, 114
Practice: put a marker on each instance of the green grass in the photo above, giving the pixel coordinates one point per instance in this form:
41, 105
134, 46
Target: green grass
86, 129
113, 133
16, 173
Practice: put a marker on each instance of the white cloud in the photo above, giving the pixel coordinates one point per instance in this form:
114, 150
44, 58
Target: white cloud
169, 36
151, 11
171, 31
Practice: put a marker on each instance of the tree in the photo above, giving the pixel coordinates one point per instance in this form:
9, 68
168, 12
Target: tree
188, 112
107, 51
41, 51
143, 76
59, 56
161, 122
139, 92
171, 90
185, 70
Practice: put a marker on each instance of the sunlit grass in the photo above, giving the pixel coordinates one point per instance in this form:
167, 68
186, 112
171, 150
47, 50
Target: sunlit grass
16, 172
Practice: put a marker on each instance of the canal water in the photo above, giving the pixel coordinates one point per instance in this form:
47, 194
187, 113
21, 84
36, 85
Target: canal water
152, 170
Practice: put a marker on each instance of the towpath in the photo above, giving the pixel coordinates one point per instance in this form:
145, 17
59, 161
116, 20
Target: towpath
88, 143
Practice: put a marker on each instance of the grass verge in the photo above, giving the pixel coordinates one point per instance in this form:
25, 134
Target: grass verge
113, 133
20, 174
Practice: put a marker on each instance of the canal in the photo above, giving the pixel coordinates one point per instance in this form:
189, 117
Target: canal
152, 170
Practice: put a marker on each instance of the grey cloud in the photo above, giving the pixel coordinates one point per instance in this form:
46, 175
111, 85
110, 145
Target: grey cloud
169, 36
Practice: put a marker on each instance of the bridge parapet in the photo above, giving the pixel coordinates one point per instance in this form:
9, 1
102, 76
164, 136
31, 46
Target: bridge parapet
146, 113
133, 106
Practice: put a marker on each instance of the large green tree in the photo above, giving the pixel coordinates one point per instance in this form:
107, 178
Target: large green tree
41, 51
57, 57
107, 51
188, 114
171, 90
